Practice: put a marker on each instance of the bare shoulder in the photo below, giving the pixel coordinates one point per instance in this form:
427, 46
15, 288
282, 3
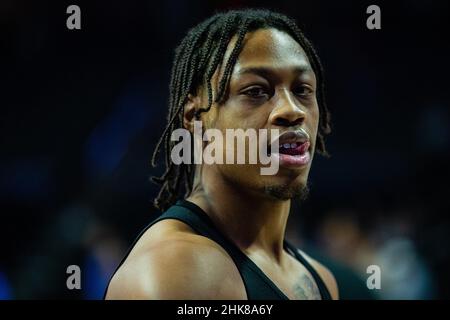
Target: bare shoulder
326, 275
170, 261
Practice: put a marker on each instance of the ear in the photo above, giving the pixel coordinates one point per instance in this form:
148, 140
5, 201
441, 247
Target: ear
190, 108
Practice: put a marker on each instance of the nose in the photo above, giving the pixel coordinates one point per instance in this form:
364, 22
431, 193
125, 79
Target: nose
288, 111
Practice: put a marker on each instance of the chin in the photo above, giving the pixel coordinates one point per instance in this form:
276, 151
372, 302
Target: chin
286, 187
287, 192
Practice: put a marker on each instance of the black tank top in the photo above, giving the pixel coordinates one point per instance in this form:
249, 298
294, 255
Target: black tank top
257, 285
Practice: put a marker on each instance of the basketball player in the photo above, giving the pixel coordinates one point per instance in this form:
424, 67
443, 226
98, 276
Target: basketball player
226, 238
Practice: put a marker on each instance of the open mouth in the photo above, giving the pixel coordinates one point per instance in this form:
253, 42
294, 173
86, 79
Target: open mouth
293, 149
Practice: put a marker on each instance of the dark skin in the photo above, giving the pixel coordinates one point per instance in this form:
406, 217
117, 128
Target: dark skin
273, 87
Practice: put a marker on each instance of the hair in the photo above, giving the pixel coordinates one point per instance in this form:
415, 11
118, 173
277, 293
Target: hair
196, 59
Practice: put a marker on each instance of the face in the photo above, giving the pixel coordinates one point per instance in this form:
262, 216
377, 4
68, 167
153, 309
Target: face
272, 86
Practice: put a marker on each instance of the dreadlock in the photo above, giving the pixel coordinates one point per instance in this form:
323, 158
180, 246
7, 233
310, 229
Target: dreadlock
196, 59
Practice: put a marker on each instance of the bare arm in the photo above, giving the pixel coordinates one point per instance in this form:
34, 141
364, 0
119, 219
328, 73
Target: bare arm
183, 268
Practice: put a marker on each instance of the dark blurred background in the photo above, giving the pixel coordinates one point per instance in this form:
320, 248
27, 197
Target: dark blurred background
81, 111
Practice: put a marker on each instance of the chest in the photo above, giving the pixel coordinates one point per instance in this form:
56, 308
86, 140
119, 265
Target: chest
292, 279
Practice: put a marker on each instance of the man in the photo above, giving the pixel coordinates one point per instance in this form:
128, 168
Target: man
245, 69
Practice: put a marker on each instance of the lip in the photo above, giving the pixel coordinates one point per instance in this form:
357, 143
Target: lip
293, 157
297, 136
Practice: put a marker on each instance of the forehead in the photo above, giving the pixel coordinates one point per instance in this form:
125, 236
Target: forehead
270, 48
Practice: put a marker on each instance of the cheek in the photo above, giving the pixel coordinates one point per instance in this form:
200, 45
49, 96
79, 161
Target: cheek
314, 116
238, 116
313, 124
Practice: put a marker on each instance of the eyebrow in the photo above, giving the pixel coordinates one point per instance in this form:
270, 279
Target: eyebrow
268, 71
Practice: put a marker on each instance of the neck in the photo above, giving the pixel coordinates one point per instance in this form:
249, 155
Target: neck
253, 222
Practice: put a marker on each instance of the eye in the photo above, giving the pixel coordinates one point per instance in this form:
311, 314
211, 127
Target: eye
303, 91
256, 92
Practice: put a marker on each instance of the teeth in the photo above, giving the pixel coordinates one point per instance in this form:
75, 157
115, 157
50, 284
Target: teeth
290, 145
